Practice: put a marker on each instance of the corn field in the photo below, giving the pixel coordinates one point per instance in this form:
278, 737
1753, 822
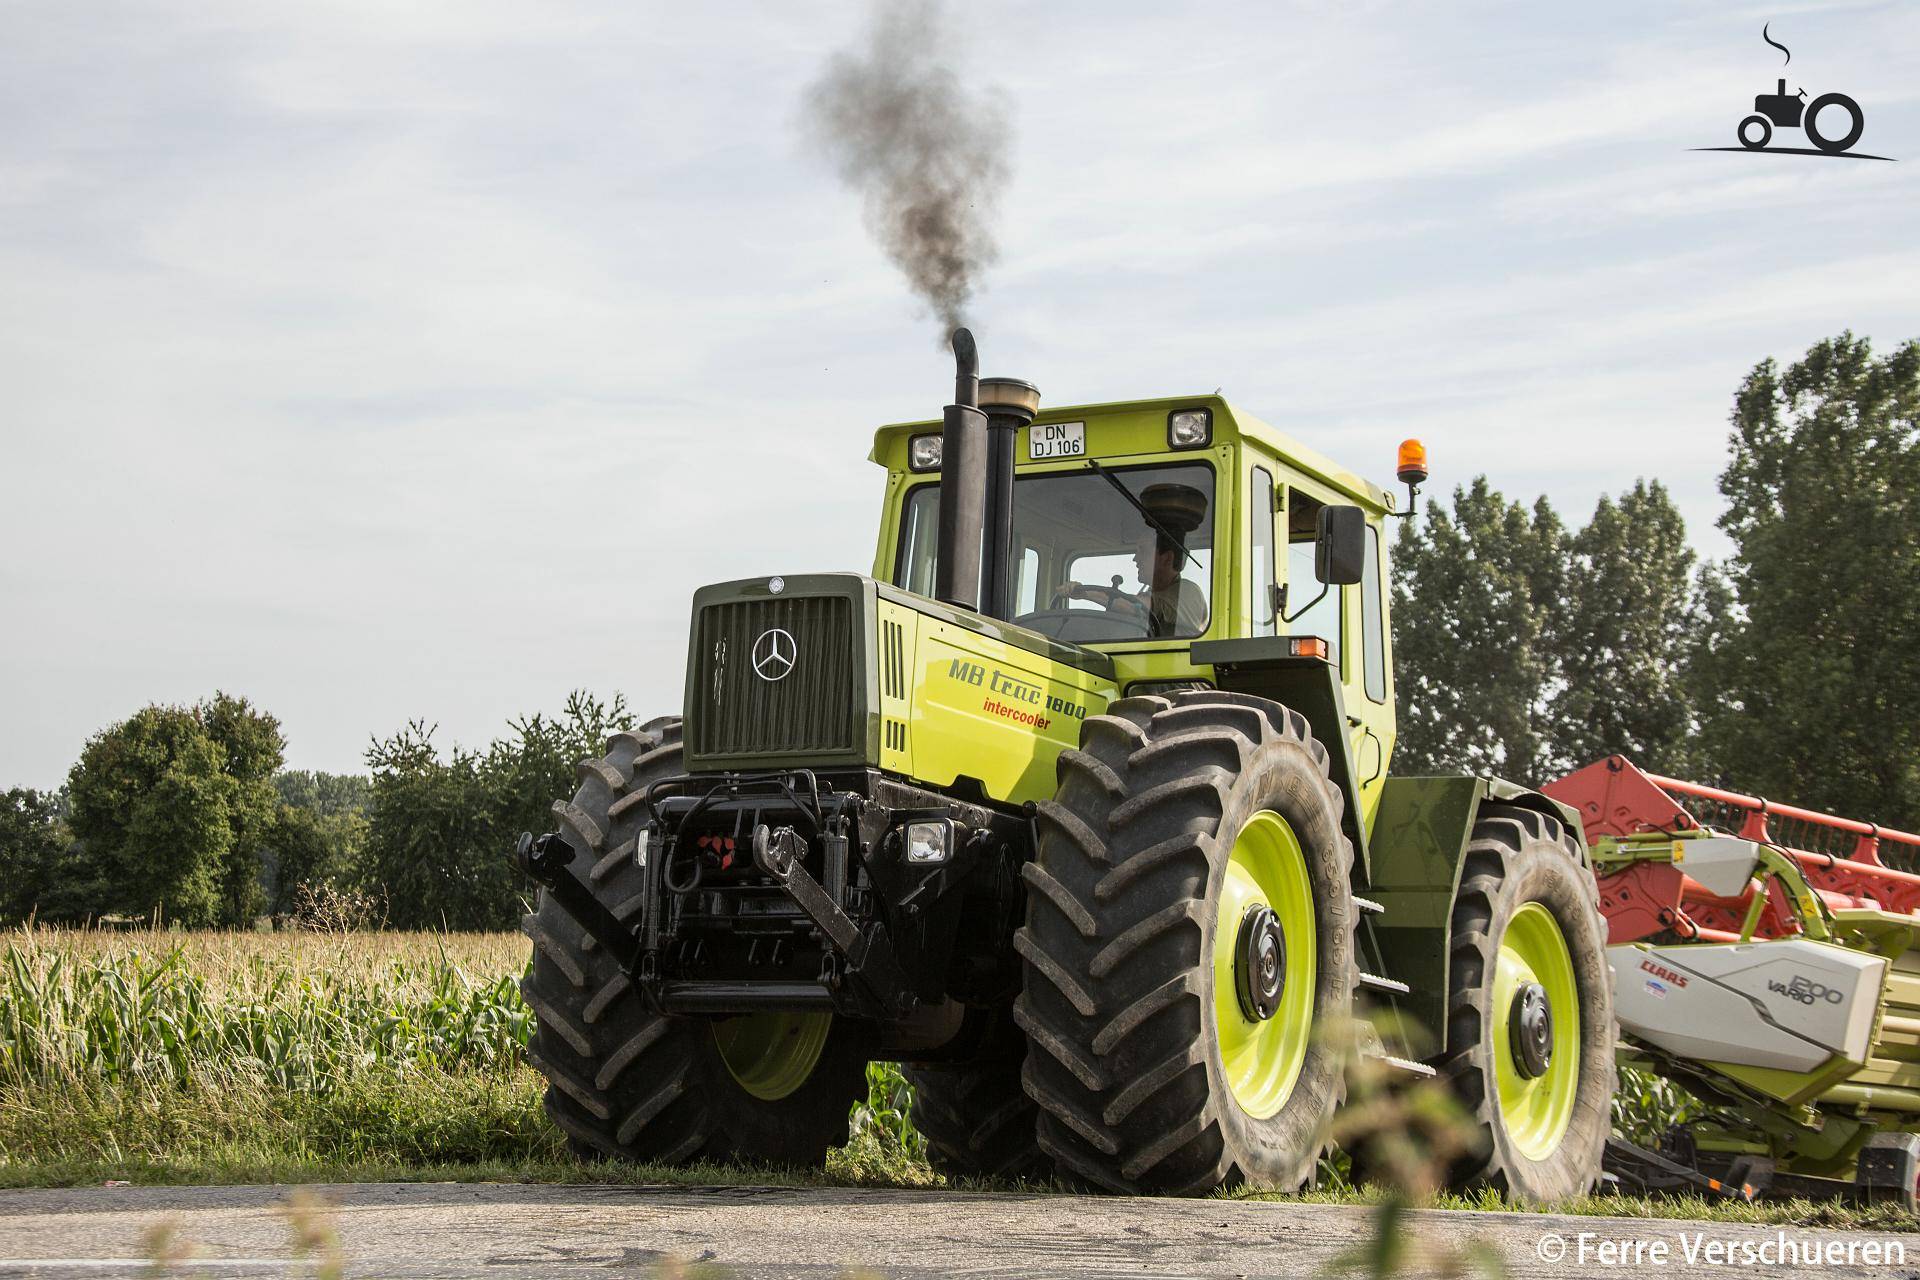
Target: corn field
298, 1012
253, 1049
170, 1055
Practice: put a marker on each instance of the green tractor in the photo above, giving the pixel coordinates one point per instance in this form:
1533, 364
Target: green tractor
1079, 807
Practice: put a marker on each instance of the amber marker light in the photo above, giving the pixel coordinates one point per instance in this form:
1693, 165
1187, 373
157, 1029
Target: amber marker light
1309, 647
1413, 463
1412, 470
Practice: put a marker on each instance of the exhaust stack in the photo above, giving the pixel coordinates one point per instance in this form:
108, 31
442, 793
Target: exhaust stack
1009, 405
963, 482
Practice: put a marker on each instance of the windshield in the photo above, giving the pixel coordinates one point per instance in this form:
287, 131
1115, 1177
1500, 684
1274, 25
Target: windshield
1090, 562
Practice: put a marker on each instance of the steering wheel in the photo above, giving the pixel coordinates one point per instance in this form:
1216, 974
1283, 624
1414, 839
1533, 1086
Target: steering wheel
1114, 595
1093, 626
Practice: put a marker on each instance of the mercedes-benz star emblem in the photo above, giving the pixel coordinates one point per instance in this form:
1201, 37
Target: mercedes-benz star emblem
774, 654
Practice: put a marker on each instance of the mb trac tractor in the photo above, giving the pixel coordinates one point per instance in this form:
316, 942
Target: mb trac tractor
1079, 807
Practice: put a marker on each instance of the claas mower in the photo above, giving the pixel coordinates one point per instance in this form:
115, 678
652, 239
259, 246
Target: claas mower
1079, 807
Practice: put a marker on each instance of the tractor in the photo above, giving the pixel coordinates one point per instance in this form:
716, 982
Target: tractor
1793, 111
1079, 807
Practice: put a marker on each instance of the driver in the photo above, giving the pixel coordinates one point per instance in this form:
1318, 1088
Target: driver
1170, 604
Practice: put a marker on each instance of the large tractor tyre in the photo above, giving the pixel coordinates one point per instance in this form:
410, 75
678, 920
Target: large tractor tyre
1189, 928
1856, 122
625, 1083
1530, 1028
975, 1115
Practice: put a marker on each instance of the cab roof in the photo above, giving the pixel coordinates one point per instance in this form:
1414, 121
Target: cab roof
1228, 423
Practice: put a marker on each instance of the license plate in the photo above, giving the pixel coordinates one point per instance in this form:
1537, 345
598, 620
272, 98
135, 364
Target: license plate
1056, 440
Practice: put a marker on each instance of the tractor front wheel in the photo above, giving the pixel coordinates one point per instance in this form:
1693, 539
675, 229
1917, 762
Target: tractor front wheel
1189, 929
626, 1083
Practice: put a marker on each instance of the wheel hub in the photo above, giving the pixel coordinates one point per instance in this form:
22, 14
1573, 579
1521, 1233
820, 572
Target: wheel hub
1530, 1030
1260, 963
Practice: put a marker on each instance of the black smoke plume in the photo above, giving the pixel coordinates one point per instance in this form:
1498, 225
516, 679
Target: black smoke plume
1775, 43
927, 155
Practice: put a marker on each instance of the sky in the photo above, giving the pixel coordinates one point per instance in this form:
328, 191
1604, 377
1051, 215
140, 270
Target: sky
388, 362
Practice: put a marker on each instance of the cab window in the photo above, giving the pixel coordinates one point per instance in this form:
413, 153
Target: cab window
1373, 628
1261, 560
1322, 617
1100, 555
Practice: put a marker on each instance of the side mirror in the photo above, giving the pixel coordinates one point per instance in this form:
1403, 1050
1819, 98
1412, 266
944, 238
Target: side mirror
1340, 547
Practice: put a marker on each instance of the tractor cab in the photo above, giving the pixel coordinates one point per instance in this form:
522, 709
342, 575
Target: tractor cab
1149, 531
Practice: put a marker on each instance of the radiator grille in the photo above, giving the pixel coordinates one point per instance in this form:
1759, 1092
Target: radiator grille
815, 708
893, 658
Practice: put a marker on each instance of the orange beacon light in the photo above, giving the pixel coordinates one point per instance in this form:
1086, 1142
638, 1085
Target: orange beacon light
1412, 470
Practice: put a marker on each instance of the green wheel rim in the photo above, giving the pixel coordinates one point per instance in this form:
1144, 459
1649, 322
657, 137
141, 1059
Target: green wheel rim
1262, 1057
1538, 1110
772, 1054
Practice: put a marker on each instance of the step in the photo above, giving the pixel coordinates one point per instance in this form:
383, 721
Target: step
1420, 1069
1375, 982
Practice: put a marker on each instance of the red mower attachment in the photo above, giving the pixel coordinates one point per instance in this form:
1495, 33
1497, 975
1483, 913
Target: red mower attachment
1839, 857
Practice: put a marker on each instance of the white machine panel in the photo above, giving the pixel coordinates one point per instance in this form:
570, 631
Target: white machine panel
1788, 1003
1719, 864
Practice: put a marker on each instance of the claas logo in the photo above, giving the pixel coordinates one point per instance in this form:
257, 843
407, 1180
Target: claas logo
1663, 973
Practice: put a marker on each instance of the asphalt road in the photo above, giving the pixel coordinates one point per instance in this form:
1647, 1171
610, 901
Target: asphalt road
405, 1231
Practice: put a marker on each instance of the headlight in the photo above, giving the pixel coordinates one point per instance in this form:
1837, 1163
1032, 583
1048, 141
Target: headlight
928, 841
1190, 428
923, 453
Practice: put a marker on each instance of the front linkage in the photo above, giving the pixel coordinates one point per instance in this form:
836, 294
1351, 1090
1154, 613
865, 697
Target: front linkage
793, 890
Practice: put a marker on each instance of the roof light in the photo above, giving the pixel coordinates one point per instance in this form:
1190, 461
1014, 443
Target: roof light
923, 453
1190, 428
1413, 463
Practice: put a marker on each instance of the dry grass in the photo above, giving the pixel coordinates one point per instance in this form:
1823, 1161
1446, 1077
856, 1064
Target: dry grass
234, 962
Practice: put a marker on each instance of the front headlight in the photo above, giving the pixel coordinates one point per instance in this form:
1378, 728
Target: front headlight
923, 453
928, 841
1190, 428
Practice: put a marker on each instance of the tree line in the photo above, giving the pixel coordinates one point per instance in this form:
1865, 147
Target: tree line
1523, 648
185, 814
1791, 669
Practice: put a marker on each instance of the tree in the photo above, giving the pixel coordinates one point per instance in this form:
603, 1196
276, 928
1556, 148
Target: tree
172, 804
252, 749
1474, 598
309, 850
1816, 681
439, 830
33, 845
1622, 636
328, 795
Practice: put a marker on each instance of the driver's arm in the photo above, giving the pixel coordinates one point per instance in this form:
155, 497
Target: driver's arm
1111, 598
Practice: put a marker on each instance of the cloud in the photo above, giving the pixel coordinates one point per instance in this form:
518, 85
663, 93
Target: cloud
383, 363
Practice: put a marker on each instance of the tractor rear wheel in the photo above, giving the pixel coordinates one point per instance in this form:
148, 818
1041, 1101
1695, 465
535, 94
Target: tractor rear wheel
1189, 928
1530, 1027
1836, 143
975, 1115
629, 1084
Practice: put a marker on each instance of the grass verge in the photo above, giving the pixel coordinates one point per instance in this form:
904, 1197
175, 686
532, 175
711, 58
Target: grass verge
287, 1058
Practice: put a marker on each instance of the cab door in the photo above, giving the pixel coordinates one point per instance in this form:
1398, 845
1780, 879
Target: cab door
1352, 620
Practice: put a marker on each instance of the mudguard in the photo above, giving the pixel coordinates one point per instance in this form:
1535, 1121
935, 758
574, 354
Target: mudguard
1419, 840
